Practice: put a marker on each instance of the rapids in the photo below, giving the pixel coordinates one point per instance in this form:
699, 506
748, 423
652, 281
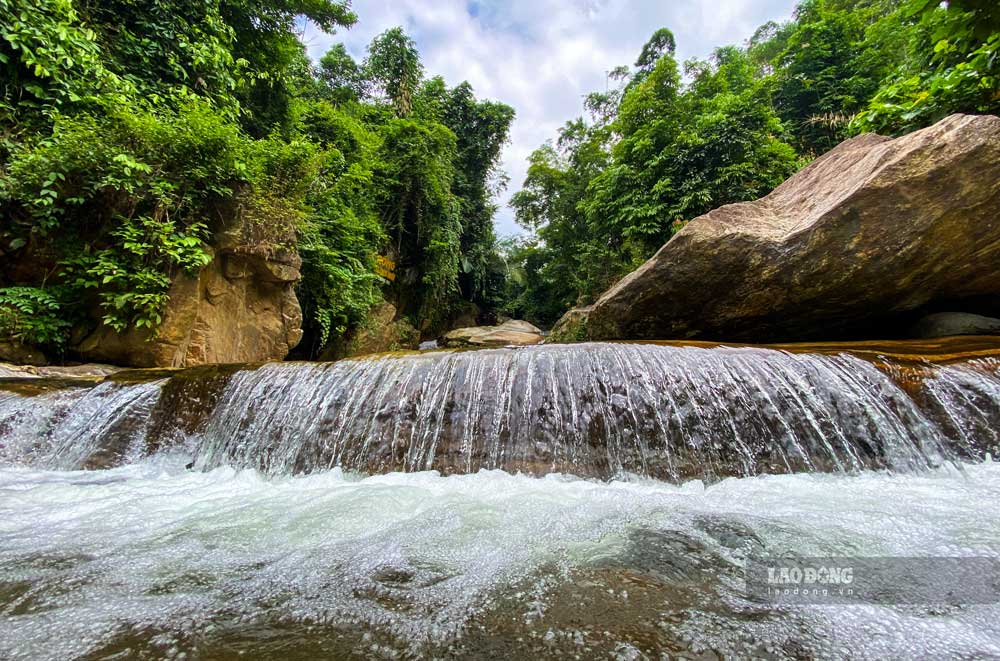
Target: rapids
152, 561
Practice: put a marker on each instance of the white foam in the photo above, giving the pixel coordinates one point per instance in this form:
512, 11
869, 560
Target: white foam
152, 547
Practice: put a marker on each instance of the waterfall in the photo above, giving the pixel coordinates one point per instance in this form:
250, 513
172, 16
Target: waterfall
76, 427
599, 410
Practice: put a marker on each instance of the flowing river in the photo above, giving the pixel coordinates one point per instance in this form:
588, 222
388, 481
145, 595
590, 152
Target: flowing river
593, 501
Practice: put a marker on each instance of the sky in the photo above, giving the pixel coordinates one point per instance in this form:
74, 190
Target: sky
543, 56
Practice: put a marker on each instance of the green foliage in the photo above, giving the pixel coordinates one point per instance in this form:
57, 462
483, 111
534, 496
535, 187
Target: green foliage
608, 194
420, 213
135, 134
340, 235
393, 69
536, 288
49, 62
481, 129
128, 199
954, 67
341, 76
571, 262
833, 57
661, 43
32, 315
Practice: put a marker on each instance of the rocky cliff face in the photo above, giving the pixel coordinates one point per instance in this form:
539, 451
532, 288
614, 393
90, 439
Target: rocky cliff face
875, 230
381, 332
240, 308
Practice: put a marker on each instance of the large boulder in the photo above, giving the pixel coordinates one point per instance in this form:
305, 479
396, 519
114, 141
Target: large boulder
240, 308
858, 241
944, 324
509, 333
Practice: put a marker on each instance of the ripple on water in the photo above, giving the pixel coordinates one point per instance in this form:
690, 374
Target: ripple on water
152, 560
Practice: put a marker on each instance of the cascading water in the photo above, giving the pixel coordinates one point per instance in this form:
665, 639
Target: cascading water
600, 410
236, 517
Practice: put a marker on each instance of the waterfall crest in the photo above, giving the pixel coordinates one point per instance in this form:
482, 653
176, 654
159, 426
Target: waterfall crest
599, 410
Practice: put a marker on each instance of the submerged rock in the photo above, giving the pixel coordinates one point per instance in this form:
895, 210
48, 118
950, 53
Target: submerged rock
944, 324
868, 233
513, 332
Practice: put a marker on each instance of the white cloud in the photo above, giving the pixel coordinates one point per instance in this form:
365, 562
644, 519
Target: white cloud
543, 56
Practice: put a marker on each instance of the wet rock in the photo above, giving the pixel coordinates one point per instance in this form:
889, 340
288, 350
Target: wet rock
944, 324
381, 332
10, 371
870, 232
85, 371
21, 354
465, 316
93, 371
513, 332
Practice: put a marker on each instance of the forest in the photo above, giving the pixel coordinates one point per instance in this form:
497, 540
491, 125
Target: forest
132, 131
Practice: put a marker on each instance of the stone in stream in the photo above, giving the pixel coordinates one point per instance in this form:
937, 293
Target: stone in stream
856, 243
944, 324
512, 332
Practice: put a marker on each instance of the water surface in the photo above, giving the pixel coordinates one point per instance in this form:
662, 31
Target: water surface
151, 560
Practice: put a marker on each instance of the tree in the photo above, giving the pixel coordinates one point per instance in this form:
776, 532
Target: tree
393, 69
134, 132
609, 193
661, 43
420, 215
481, 129
953, 66
340, 75
827, 71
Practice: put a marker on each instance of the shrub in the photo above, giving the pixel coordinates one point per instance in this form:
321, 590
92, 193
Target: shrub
130, 199
32, 316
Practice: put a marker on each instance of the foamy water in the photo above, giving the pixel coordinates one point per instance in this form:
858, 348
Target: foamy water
153, 560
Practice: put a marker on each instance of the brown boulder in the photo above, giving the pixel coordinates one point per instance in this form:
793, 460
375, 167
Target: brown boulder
862, 238
240, 308
513, 332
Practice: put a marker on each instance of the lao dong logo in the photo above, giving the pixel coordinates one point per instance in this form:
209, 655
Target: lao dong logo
880, 580
802, 581
810, 575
